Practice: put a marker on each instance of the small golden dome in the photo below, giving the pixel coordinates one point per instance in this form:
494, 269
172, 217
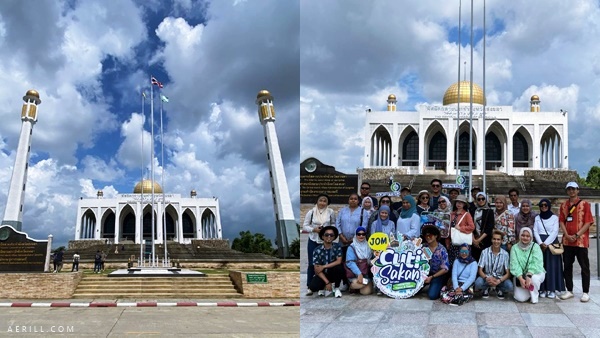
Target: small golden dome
391, 97
263, 92
147, 186
535, 98
32, 92
451, 95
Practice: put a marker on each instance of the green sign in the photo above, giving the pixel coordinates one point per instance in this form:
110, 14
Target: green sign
256, 278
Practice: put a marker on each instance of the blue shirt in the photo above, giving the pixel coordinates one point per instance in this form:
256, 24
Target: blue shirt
347, 222
468, 273
322, 256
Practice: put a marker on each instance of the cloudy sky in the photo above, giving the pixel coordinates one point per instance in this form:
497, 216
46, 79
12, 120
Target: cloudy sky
354, 53
90, 60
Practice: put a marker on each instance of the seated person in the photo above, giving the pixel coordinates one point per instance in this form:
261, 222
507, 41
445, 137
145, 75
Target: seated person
464, 271
438, 262
327, 259
358, 261
494, 269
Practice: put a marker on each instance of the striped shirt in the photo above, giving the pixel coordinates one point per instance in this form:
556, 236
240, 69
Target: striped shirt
494, 265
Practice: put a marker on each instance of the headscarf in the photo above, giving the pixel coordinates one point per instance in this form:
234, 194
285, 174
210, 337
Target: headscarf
469, 258
361, 248
379, 224
369, 211
525, 220
503, 199
485, 205
320, 216
521, 245
413, 207
546, 214
448, 208
478, 214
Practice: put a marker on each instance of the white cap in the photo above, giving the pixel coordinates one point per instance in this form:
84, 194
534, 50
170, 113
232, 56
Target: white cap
572, 185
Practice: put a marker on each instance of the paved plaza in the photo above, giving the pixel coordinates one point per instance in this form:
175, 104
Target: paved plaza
370, 316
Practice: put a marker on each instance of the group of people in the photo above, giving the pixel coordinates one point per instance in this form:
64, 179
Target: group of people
501, 249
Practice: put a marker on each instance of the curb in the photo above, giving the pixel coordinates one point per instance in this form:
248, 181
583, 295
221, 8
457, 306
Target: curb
148, 304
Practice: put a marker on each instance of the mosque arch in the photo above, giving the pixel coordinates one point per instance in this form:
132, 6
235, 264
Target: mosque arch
147, 221
522, 149
188, 224
171, 222
88, 224
381, 147
108, 224
409, 147
495, 147
436, 139
127, 222
551, 149
463, 146
209, 224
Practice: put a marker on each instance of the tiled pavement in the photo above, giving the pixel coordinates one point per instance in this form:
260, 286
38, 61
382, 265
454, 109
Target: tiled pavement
381, 316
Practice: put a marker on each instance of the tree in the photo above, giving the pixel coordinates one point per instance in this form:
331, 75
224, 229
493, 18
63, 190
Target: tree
295, 248
249, 243
593, 177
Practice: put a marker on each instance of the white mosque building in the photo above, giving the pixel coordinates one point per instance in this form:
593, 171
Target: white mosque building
119, 220
418, 141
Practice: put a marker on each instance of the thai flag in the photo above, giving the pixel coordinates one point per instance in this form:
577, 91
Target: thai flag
155, 82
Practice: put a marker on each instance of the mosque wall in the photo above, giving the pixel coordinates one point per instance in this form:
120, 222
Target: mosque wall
39, 285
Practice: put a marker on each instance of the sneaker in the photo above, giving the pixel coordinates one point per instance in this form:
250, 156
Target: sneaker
486, 293
566, 295
585, 298
343, 287
543, 294
308, 293
338, 293
551, 295
328, 293
321, 293
500, 294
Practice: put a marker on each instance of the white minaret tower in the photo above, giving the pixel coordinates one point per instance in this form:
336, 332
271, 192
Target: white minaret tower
287, 230
13, 213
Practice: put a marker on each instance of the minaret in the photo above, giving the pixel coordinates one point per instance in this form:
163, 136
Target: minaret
391, 101
535, 103
13, 214
287, 230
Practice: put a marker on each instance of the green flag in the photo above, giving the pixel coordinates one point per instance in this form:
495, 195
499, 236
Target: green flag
164, 98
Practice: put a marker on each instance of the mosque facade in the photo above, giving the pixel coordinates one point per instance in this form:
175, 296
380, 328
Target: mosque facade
418, 141
119, 219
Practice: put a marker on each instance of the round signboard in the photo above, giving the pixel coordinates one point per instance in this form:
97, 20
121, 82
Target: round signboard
395, 186
400, 272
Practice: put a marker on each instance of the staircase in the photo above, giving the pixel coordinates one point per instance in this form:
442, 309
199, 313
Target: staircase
211, 286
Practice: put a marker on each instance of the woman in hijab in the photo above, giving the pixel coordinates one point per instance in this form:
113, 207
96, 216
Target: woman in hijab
358, 260
316, 219
545, 230
383, 222
464, 272
409, 222
367, 205
505, 222
527, 265
444, 205
525, 217
483, 217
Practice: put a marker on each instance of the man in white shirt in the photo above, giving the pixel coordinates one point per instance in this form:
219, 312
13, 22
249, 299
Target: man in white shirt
514, 206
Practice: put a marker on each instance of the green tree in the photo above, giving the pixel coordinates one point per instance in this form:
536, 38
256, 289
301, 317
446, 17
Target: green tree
295, 248
249, 243
593, 177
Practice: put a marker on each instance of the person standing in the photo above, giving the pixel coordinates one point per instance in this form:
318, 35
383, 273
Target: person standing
514, 206
365, 190
525, 217
58, 260
483, 218
423, 202
97, 262
75, 262
316, 219
575, 218
436, 192
545, 231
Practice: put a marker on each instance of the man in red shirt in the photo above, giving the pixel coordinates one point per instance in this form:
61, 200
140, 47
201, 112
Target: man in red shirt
575, 218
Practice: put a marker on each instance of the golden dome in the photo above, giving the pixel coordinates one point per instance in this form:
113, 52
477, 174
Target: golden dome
391, 97
147, 185
451, 95
535, 98
32, 92
263, 92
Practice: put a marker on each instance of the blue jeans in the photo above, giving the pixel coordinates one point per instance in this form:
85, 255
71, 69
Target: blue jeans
310, 272
481, 284
435, 286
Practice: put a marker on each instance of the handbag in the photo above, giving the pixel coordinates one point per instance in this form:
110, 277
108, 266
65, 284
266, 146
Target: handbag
556, 248
457, 237
363, 266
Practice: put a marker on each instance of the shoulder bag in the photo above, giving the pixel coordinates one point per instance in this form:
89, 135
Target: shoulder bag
363, 266
556, 248
457, 237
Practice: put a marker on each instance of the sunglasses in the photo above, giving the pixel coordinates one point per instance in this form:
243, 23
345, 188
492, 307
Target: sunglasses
364, 188
435, 185
424, 198
543, 205
464, 251
329, 235
386, 202
442, 201
361, 234
513, 195
481, 199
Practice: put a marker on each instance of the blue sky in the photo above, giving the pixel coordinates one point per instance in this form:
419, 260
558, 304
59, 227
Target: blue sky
355, 53
91, 59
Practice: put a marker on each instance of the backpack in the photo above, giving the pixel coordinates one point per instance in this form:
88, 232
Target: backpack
98, 257
76, 259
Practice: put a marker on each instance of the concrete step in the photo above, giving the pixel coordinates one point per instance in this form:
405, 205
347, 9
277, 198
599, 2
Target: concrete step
169, 295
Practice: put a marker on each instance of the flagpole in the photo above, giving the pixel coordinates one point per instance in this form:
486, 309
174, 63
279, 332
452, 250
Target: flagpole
162, 180
484, 104
458, 93
152, 166
471, 113
142, 184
